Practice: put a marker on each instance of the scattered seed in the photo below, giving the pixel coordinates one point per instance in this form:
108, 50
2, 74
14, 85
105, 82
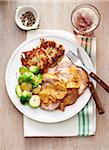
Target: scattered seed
28, 19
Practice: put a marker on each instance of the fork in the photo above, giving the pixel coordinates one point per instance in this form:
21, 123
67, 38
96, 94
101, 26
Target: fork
75, 60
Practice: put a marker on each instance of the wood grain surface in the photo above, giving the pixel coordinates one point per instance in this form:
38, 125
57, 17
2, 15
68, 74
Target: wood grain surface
54, 15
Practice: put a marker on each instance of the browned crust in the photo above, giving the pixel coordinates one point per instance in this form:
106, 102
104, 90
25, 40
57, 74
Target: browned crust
87, 78
84, 71
47, 59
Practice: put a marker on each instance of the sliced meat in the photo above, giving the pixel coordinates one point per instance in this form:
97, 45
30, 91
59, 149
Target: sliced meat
54, 80
84, 80
70, 98
59, 96
73, 95
51, 106
50, 94
62, 72
49, 78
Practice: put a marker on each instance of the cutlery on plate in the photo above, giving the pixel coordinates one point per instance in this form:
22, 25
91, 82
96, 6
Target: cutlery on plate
75, 60
93, 75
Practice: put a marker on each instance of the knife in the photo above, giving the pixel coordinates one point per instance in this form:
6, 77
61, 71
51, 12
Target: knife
92, 74
99, 106
75, 60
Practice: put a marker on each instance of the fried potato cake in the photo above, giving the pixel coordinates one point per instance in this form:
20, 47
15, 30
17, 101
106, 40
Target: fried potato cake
53, 51
48, 54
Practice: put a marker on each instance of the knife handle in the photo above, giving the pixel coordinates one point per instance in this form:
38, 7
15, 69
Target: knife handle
101, 82
96, 98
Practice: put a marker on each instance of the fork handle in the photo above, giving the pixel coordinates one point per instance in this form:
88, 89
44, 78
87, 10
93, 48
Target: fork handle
101, 82
96, 98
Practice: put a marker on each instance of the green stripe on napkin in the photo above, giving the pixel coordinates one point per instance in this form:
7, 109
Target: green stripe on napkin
83, 116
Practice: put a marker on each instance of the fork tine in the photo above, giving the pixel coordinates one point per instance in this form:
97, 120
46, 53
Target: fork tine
72, 56
69, 57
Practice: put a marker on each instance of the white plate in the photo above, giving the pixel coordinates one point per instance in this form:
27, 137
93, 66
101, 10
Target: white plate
40, 114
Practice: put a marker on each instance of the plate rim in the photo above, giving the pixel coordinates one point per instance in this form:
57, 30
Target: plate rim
11, 58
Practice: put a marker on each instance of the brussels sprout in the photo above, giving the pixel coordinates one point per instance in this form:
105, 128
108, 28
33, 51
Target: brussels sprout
18, 90
28, 76
20, 79
37, 89
34, 81
26, 86
34, 69
34, 101
37, 80
23, 69
25, 97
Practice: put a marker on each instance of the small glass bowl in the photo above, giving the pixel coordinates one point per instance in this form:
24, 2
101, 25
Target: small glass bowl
95, 11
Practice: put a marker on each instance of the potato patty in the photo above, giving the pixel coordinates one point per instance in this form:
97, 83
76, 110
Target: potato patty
36, 57
53, 51
48, 54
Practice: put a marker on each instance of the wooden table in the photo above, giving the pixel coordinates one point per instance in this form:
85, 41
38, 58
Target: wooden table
54, 15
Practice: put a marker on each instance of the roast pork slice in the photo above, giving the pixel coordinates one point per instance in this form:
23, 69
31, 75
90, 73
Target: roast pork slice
51, 106
84, 80
70, 98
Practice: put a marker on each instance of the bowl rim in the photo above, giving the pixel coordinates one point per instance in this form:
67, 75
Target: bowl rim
91, 6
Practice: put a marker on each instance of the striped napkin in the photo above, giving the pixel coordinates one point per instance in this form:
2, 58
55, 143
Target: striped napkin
84, 123
87, 115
